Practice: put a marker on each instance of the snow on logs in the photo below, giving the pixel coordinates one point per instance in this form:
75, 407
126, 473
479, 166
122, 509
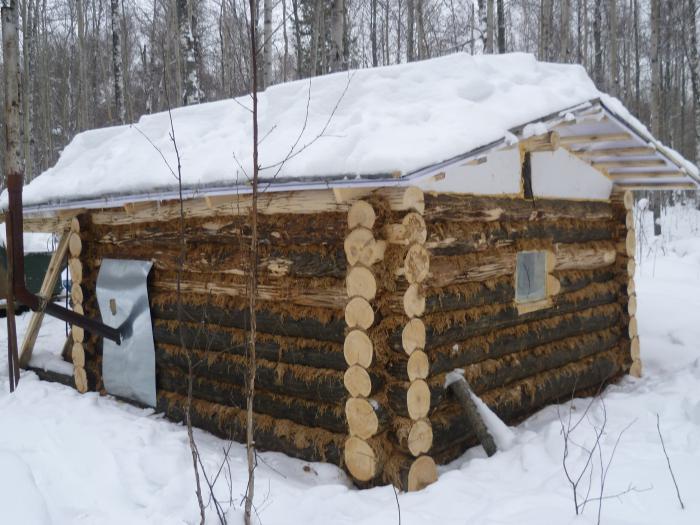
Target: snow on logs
75, 268
365, 416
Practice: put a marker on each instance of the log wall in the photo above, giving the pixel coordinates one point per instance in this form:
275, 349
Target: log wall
516, 358
364, 310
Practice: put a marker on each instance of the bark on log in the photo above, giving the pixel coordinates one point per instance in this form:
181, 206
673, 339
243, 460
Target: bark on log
314, 414
267, 322
298, 381
465, 208
214, 338
408, 473
463, 392
452, 327
493, 373
309, 444
455, 238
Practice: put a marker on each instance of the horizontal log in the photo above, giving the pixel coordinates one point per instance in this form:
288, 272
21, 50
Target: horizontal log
296, 381
53, 377
496, 373
215, 338
510, 340
266, 321
233, 261
466, 208
319, 296
446, 271
459, 238
319, 414
447, 328
279, 435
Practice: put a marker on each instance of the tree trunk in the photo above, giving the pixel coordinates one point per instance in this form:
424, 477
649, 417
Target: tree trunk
565, 43
117, 62
501, 26
373, 33
490, 26
316, 37
694, 73
597, 45
297, 38
482, 23
422, 46
410, 23
655, 69
82, 122
337, 34
267, 44
191, 93
614, 67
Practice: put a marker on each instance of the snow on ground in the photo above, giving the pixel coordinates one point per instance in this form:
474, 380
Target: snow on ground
71, 458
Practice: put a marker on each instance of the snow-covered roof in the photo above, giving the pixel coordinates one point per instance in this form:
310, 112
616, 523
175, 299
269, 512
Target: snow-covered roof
376, 124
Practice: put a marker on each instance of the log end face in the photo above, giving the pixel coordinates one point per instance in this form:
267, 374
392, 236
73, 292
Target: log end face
422, 473
360, 459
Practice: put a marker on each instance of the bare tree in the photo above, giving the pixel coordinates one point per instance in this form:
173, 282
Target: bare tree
655, 68
410, 23
117, 62
694, 72
490, 26
614, 68
565, 32
501, 26
267, 44
337, 36
192, 93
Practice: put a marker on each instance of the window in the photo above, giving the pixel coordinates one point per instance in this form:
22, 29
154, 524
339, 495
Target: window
530, 277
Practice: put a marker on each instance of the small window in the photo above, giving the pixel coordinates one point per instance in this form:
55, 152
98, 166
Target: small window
530, 277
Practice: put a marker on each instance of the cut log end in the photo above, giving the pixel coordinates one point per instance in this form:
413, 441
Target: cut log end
361, 283
361, 214
80, 379
422, 473
75, 244
632, 305
414, 301
413, 199
75, 225
631, 267
78, 355
418, 366
628, 200
420, 437
358, 349
76, 270
632, 328
416, 264
362, 418
630, 243
357, 381
413, 336
418, 399
359, 313
360, 459
361, 248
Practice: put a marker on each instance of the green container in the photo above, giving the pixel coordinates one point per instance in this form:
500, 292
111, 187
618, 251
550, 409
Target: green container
35, 266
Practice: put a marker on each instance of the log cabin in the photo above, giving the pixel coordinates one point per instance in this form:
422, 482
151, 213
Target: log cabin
461, 213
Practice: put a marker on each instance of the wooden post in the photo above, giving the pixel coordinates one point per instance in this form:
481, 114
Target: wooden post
364, 415
53, 272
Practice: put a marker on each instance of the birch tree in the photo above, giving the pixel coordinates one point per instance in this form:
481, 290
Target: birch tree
120, 109
191, 90
267, 44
